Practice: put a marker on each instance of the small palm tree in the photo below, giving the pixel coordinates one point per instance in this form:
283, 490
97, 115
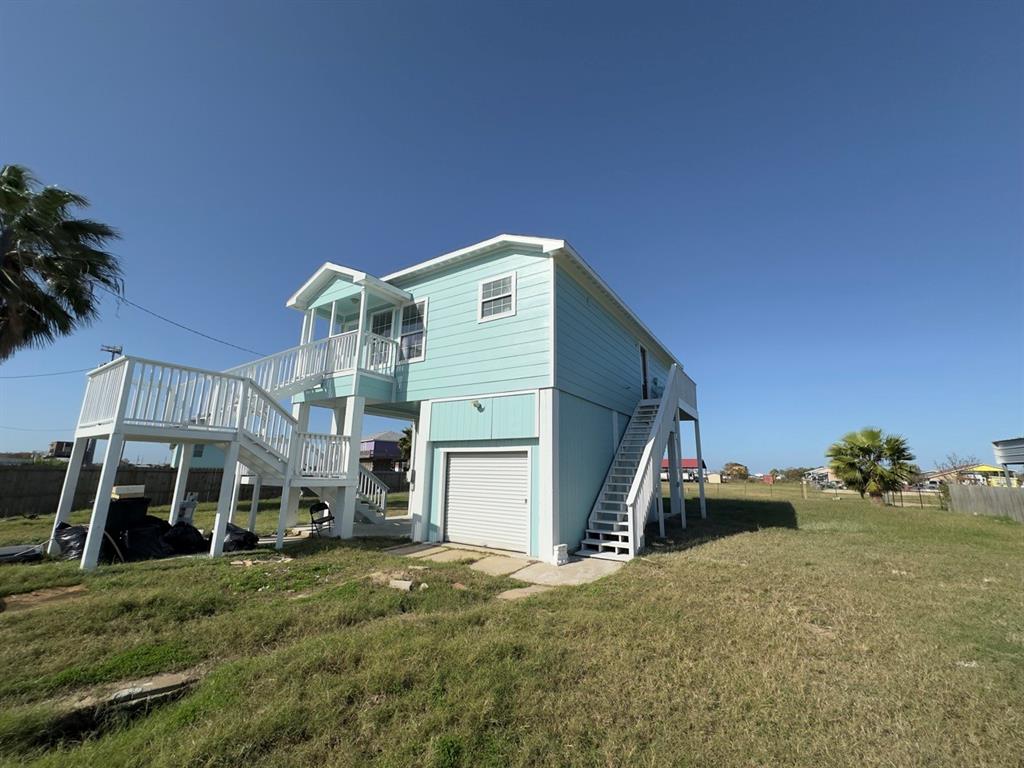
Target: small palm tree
50, 262
872, 462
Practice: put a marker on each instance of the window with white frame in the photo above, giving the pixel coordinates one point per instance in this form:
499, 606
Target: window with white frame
380, 323
497, 297
413, 335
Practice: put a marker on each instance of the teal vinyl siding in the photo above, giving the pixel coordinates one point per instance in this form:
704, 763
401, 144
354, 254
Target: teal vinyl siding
434, 532
598, 358
586, 447
511, 416
467, 357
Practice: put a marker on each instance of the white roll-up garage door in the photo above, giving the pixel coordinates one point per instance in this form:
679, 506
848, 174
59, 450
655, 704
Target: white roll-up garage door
487, 500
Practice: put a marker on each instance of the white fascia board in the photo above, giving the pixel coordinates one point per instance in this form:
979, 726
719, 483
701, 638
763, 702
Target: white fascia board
328, 271
546, 244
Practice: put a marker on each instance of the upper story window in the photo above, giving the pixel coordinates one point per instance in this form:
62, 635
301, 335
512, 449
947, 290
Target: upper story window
381, 322
413, 336
497, 298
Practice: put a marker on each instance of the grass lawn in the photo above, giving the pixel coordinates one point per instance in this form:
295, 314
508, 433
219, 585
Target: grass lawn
781, 632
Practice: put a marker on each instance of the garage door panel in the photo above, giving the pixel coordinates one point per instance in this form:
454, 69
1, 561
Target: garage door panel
487, 499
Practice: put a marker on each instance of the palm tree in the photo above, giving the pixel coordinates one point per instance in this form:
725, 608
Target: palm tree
50, 262
872, 462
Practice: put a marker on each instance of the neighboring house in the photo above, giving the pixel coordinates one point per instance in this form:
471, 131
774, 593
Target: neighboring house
379, 452
688, 469
975, 474
821, 476
204, 456
537, 398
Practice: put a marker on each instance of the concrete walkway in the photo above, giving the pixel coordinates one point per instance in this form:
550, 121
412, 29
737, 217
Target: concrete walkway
579, 570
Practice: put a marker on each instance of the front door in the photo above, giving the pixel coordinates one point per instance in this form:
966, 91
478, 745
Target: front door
643, 373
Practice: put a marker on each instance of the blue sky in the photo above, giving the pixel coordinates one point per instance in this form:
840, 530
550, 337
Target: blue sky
818, 206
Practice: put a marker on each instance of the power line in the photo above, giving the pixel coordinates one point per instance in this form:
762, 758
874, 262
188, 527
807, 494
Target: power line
40, 375
175, 323
119, 297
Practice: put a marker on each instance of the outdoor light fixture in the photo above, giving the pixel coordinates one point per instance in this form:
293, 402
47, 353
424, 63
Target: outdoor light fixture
476, 404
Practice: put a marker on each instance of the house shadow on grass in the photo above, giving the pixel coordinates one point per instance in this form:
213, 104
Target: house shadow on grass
727, 517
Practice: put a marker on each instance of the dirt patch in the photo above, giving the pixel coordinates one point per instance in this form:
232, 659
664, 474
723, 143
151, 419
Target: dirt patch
23, 602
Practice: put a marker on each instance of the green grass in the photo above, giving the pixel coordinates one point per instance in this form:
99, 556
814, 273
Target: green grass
780, 632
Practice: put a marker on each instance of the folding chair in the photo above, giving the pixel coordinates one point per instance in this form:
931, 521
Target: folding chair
320, 518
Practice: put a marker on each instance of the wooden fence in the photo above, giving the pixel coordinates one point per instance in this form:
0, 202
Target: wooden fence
28, 489
984, 500
35, 490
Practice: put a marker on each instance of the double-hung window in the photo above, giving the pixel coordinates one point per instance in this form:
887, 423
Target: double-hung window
380, 323
413, 336
497, 298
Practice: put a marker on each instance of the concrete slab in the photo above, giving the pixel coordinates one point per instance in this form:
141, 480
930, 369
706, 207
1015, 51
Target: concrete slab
579, 570
410, 549
495, 565
521, 592
454, 556
432, 549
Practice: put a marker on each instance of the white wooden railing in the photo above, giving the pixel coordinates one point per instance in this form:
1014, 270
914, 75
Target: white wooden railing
323, 456
102, 393
645, 490
148, 393
373, 488
380, 354
293, 368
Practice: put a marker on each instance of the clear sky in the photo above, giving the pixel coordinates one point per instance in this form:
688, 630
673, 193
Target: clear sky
818, 206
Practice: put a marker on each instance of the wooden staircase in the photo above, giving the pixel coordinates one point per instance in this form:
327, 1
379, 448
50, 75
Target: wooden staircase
610, 530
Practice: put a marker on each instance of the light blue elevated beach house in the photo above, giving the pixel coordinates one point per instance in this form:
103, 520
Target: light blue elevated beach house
541, 406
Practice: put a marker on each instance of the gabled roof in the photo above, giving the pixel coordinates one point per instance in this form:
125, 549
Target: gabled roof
554, 247
684, 463
383, 437
324, 276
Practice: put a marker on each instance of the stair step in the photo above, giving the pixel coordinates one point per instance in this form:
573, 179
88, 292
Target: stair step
597, 555
599, 543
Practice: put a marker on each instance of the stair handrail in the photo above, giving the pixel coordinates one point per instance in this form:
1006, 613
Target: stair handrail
641, 491
267, 421
373, 488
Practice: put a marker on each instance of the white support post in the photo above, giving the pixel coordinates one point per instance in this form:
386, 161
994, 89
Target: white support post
700, 471
345, 513
676, 502
98, 521
678, 439
421, 472
549, 535
255, 504
360, 340
300, 412
236, 491
67, 493
220, 525
184, 464
1006, 473
334, 308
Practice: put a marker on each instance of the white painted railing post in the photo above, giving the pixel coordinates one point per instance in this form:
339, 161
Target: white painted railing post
180, 483
111, 460
220, 524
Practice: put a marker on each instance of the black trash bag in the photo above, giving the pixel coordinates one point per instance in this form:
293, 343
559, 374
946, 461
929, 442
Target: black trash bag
145, 542
126, 513
237, 539
24, 553
71, 540
185, 539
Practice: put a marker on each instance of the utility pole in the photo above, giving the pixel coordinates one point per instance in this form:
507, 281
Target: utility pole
113, 350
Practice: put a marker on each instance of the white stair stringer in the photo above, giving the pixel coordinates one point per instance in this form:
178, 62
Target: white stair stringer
609, 529
632, 487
